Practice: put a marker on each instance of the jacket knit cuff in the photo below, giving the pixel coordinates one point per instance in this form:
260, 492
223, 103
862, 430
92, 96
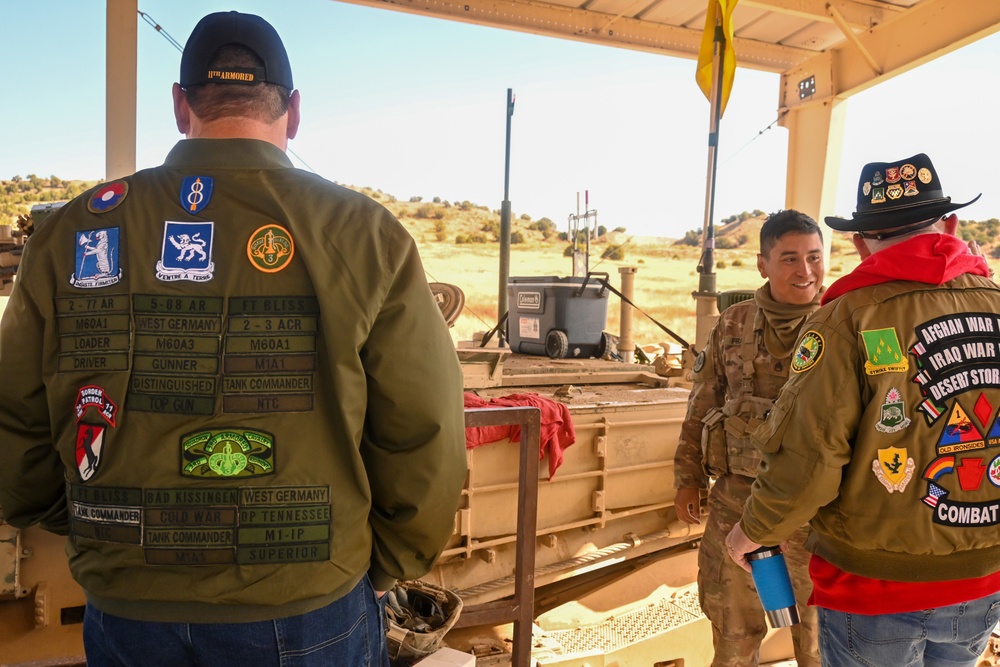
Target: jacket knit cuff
381, 581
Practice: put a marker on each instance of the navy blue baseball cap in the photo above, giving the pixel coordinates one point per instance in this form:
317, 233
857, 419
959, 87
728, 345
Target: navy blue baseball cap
248, 30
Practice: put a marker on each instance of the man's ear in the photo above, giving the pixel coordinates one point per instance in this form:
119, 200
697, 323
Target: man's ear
294, 114
762, 266
182, 112
951, 224
861, 246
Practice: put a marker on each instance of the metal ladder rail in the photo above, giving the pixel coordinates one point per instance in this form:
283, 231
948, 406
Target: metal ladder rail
520, 609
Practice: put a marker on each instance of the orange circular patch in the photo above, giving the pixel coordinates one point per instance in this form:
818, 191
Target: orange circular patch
270, 248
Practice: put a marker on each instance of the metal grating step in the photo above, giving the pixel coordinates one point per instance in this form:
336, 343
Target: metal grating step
637, 625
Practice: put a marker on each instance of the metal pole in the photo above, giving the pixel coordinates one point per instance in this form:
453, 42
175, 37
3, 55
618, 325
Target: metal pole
502, 304
626, 344
707, 309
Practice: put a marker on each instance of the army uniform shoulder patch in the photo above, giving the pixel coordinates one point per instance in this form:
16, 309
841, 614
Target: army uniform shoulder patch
885, 355
270, 248
699, 362
232, 453
107, 197
808, 351
97, 259
186, 252
196, 192
893, 468
89, 449
893, 413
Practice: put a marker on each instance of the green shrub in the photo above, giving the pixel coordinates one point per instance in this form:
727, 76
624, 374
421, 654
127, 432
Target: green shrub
460, 239
516, 237
617, 252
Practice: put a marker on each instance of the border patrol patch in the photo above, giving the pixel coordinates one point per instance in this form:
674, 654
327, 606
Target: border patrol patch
89, 449
270, 248
97, 259
196, 192
232, 453
699, 362
808, 351
893, 413
893, 468
885, 355
108, 197
92, 395
192, 241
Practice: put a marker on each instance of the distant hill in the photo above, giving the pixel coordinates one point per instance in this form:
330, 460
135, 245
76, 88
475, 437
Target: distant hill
465, 222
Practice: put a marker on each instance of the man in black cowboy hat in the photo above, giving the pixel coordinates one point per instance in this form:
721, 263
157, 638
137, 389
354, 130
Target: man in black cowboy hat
887, 437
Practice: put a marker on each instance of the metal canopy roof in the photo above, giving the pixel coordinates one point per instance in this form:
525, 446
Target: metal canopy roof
865, 39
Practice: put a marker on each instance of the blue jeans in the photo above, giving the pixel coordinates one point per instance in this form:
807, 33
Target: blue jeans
953, 636
350, 631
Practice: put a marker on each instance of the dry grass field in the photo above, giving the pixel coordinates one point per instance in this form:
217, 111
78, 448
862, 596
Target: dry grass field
666, 272
457, 242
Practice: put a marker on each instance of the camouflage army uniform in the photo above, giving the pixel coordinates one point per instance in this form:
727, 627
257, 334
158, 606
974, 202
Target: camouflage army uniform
726, 592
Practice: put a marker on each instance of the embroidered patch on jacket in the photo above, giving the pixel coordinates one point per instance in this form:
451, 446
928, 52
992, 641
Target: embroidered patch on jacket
885, 355
893, 413
932, 410
108, 197
934, 494
699, 362
893, 468
94, 396
89, 449
959, 433
939, 467
270, 248
994, 471
228, 453
187, 252
97, 259
970, 473
808, 351
196, 192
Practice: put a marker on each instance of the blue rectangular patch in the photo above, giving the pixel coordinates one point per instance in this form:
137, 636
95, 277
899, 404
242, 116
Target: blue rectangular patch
97, 259
187, 252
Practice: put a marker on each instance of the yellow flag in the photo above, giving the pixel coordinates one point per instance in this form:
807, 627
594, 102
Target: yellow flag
703, 75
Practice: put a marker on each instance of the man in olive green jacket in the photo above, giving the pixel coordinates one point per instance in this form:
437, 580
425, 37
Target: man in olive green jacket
227, 381
885, 437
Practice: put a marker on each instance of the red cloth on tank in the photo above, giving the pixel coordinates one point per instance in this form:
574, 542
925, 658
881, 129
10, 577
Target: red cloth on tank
557, 432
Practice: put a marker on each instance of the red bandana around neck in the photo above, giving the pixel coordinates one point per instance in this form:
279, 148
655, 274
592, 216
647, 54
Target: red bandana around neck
928, 258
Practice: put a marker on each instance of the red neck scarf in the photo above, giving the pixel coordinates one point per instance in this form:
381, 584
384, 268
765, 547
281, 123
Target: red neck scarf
928, 258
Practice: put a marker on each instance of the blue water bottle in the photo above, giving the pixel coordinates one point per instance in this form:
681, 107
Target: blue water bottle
774, 586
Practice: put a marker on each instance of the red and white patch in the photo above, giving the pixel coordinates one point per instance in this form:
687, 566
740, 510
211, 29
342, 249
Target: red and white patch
89, 449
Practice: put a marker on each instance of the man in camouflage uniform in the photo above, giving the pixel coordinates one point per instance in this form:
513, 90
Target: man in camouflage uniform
736, 379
